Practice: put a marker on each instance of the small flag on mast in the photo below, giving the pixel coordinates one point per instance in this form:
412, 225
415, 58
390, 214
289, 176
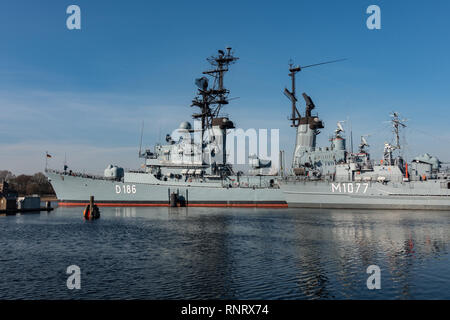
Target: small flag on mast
47, 156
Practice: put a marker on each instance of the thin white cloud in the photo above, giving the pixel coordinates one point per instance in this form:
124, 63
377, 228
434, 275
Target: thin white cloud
96, 129
30, 157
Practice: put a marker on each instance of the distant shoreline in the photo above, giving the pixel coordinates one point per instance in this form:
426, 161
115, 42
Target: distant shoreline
25, 185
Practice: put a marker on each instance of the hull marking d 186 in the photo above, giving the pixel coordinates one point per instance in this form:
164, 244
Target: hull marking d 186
126, 188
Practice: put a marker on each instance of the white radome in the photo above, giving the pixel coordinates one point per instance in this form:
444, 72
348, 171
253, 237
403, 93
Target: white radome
185, 125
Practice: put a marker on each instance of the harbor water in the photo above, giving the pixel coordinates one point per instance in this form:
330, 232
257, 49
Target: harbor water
223, 253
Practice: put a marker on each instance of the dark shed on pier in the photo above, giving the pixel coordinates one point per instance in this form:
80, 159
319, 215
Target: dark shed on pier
8, 197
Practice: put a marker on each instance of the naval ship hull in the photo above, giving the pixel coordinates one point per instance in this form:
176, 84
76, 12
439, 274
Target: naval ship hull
76, 191
423, 195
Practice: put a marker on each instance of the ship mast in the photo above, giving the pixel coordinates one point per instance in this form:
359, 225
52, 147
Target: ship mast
295, 117
397, 123
210, 100
291, 95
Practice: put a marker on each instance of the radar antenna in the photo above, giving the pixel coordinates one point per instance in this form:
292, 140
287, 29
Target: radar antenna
364, 143
291, 95
211, 99
339, 128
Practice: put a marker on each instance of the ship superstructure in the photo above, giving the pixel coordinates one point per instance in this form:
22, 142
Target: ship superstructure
198, 151
335, 177
192, 163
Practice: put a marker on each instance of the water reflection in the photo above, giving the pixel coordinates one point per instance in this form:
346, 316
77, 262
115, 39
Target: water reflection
401, 243
210, 253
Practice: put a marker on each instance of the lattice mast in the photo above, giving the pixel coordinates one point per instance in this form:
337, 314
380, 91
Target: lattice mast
210, 100
396, 123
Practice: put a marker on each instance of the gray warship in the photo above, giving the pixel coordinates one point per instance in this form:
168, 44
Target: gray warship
335, 177
190, 170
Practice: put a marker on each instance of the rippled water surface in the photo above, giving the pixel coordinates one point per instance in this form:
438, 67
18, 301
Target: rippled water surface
203, 253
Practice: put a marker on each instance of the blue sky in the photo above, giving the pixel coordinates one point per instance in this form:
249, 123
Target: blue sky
84, 92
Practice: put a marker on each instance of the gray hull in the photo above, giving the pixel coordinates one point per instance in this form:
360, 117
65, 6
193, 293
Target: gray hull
76, 190
430, 195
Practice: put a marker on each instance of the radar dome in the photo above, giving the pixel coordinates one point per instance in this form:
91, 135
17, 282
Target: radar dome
185, 125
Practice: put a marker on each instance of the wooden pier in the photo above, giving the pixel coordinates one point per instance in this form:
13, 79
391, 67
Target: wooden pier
11, 212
